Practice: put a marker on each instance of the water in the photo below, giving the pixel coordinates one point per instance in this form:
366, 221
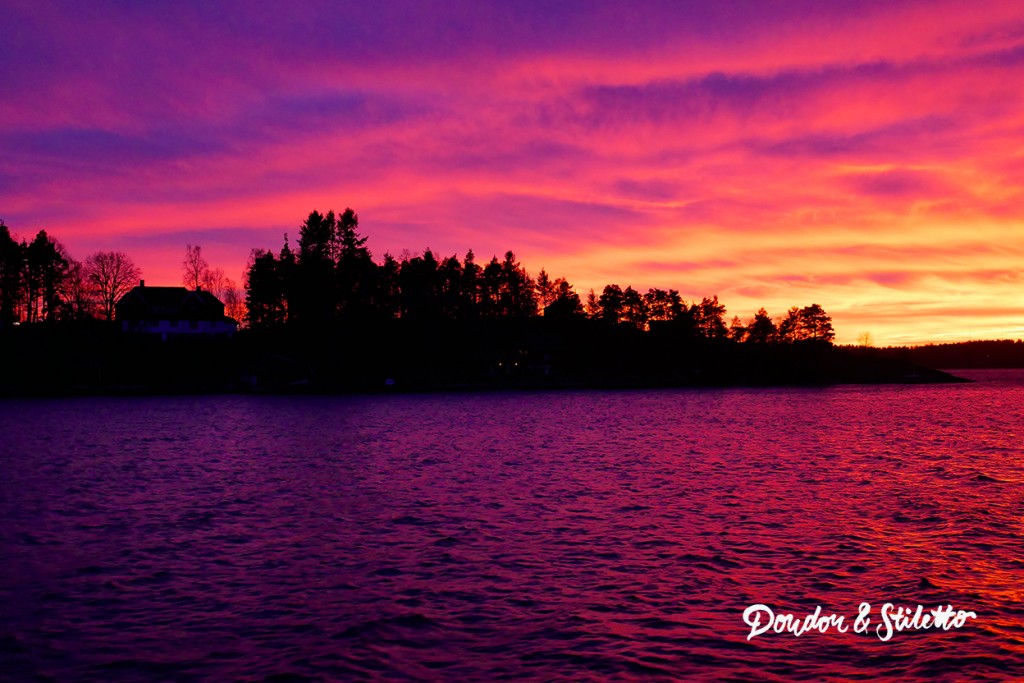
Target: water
525, 536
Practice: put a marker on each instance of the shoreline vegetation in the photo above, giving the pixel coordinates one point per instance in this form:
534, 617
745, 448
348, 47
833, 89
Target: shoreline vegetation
328, 318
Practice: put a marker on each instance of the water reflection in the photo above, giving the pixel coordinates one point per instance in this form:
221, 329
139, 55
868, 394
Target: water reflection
576, 536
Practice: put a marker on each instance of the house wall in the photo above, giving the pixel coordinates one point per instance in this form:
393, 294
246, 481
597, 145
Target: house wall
174, 327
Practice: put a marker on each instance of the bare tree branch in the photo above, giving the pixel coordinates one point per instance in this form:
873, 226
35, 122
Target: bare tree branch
111, 274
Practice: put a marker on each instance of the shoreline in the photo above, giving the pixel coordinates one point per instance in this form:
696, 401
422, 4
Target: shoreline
410, 357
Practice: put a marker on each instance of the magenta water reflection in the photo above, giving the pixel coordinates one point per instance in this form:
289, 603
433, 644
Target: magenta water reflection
551, 536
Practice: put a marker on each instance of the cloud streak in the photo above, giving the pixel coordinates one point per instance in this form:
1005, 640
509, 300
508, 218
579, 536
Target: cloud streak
861, 157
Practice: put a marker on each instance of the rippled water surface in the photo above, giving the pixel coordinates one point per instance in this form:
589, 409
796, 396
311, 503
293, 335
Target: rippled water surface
523, 536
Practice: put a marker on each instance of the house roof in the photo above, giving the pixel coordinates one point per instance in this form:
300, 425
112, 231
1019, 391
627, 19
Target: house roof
169, 303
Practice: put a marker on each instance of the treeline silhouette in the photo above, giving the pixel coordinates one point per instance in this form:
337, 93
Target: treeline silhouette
41, 283
32, 279
1004, 353
324, 313
325, 316
332, 279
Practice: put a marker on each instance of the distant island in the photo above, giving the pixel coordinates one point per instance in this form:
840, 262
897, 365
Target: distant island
326, 317
1005, 353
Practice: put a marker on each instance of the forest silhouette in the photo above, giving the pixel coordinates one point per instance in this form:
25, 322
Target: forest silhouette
325, 316
332, 279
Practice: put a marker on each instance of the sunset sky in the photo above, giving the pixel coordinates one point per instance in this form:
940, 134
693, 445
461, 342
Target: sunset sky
865, 156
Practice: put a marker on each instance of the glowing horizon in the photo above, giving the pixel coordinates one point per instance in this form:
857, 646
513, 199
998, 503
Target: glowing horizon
866, 157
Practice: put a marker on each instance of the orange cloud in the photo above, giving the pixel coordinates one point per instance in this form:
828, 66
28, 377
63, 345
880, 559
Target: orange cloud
864, 157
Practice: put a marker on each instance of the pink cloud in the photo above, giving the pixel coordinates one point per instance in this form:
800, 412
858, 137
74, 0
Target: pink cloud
774, 154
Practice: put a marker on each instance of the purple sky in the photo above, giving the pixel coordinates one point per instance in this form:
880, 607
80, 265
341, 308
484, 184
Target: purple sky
866, 156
